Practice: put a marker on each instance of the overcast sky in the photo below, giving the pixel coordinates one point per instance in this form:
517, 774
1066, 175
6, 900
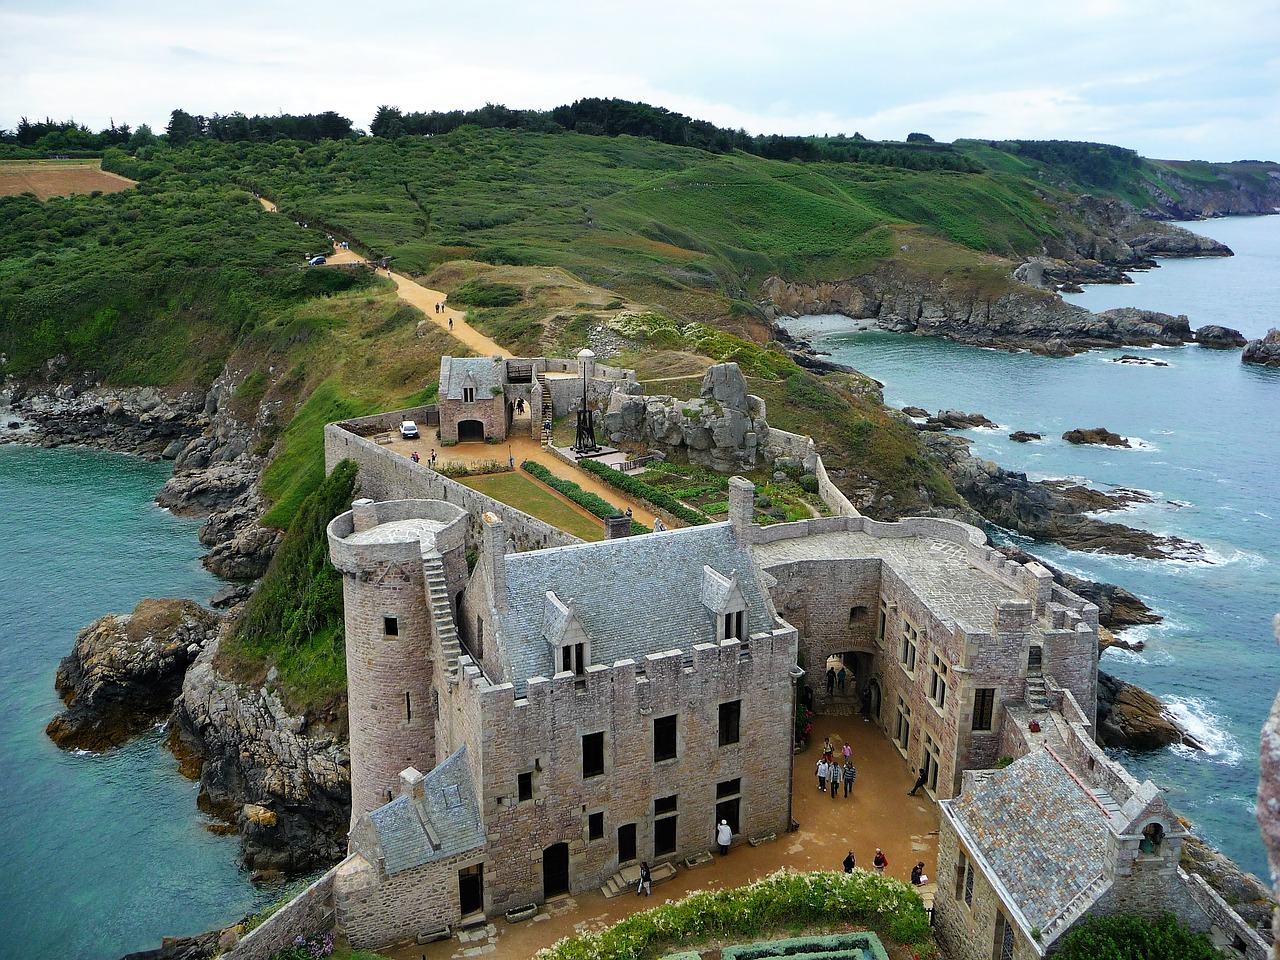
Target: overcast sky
1173, 79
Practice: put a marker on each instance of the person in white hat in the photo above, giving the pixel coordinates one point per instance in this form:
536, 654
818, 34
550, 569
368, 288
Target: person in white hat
724, 837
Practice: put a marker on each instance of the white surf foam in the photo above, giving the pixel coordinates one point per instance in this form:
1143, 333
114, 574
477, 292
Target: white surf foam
1195, 715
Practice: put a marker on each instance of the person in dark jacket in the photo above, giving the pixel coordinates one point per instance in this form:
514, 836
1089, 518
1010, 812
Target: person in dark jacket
645, 885
848, 862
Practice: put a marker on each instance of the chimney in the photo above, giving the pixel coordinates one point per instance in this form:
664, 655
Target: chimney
364, 514
617, 526
742, 500
411, 784
495, 552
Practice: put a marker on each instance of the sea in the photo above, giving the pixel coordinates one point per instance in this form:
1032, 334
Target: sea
99, 855
1205, 431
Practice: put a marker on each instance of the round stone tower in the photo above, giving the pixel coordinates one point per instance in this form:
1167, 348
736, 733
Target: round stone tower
398, 561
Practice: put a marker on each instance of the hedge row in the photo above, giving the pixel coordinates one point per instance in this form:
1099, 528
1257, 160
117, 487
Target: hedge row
779, 901
635, 487
584, 498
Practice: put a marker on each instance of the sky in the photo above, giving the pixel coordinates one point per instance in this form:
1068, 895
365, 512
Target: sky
1174, 79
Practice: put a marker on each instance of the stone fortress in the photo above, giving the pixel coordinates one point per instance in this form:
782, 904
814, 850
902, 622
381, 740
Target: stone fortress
531, 715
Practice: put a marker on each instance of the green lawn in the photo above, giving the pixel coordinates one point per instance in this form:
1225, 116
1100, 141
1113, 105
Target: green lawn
517, 490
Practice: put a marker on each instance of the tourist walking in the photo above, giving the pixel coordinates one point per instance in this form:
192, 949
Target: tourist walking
847, 751
451, 324
835, 777
917, 875
880, 861
831, 680
433, 457
850, 775
824, 768
920, 780
724, 837
848, 862
841, 677
645, 885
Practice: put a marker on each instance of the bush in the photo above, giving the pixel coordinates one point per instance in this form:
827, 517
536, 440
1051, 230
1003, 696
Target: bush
481, 293
809, 483
1126, 937
782, 899
637, 488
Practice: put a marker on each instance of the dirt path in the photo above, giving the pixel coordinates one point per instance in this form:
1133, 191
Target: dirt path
877, 813
267, 205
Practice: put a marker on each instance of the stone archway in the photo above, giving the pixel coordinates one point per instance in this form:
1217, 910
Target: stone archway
471, 431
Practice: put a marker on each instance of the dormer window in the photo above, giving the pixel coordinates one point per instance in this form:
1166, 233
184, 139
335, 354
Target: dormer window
723, 597
570, 645
572, 659
468, 394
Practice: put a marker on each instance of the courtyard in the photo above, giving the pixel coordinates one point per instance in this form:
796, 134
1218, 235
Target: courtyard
877, 813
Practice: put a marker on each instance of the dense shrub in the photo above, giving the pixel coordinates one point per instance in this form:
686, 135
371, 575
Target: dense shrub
1127, 937
783, 899
481, 293
637, 488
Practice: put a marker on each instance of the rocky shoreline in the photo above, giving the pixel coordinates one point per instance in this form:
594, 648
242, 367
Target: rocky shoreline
280, 781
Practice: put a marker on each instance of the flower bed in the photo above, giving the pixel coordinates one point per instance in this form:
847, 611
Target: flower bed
783, 899
584, 498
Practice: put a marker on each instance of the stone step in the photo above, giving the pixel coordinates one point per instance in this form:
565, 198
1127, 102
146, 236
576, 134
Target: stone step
626, 879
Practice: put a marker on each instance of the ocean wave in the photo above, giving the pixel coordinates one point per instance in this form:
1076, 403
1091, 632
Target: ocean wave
1137, 443
1147, 658
1194, 715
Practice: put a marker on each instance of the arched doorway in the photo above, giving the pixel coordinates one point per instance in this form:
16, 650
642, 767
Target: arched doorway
470, 431
555, 870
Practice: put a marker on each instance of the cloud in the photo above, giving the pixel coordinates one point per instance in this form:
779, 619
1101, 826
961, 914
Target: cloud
1176, 81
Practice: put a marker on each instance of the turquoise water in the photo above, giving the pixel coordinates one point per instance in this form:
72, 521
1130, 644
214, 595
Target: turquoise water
99, 855
1209, 452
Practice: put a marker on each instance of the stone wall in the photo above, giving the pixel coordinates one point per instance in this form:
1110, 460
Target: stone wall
427, 415
1219, 913
310, 915
832, 495
373, 909
966, 931
387, 476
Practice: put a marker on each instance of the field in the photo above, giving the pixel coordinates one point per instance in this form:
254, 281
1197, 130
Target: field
57, 178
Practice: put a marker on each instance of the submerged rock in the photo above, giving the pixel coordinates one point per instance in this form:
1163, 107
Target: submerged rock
1096, 435
125, 671
1022, 436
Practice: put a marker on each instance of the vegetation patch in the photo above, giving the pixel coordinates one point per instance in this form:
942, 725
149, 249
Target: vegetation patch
584, 498
1126, 937
294, 619
636, 488
524, 494
780, 901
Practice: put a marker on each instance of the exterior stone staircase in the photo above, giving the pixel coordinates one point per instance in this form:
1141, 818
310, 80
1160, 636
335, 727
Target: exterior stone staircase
625, 880
1037, 699
1079, 904
442, 613
547, 411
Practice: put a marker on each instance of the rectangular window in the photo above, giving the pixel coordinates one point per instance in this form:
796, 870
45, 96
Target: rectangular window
664, 738
408, 708
938, 681
730, 722
595, 826
728, 788
663, 805
907, 648
391, 626
984, 705
592, 755
524, 787
930, 762
468, 394
572, 658
734, 624
903, 733
1004, 938
968, 883
882, 620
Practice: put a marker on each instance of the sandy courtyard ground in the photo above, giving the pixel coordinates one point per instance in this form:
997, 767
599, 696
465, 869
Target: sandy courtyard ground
877, 813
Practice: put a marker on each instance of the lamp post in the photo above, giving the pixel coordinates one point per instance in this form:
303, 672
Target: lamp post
585, 441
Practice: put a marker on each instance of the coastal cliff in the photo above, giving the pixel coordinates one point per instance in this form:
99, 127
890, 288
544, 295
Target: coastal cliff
284, 780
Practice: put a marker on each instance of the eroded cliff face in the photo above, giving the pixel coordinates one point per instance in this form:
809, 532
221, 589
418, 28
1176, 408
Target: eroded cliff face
1237, 194
1268, 809
283, 779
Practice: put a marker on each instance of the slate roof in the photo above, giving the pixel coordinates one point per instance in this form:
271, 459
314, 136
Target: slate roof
633, 596
445, 822
1039, 831
485, 371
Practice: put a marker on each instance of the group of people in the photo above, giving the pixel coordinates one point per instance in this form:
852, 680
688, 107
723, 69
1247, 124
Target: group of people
879, 862
836, 678
431, 460
835, 770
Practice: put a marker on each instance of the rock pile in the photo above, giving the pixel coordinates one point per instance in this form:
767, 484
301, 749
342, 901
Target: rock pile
1264, 352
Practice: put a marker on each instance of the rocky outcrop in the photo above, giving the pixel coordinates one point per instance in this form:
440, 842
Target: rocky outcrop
1268, 806
1130, 360
1264, 352
124, 672
1247, 895
1237, 190
1117, 607
956, 420
1096, 435
1022, 436
1219, 338
1130, 717
1040, 511
1027, 319
724, 428
283, 779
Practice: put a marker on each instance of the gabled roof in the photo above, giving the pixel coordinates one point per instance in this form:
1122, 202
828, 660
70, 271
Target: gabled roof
1038, 832
721, 594
633, 596
445, 822
484, 373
